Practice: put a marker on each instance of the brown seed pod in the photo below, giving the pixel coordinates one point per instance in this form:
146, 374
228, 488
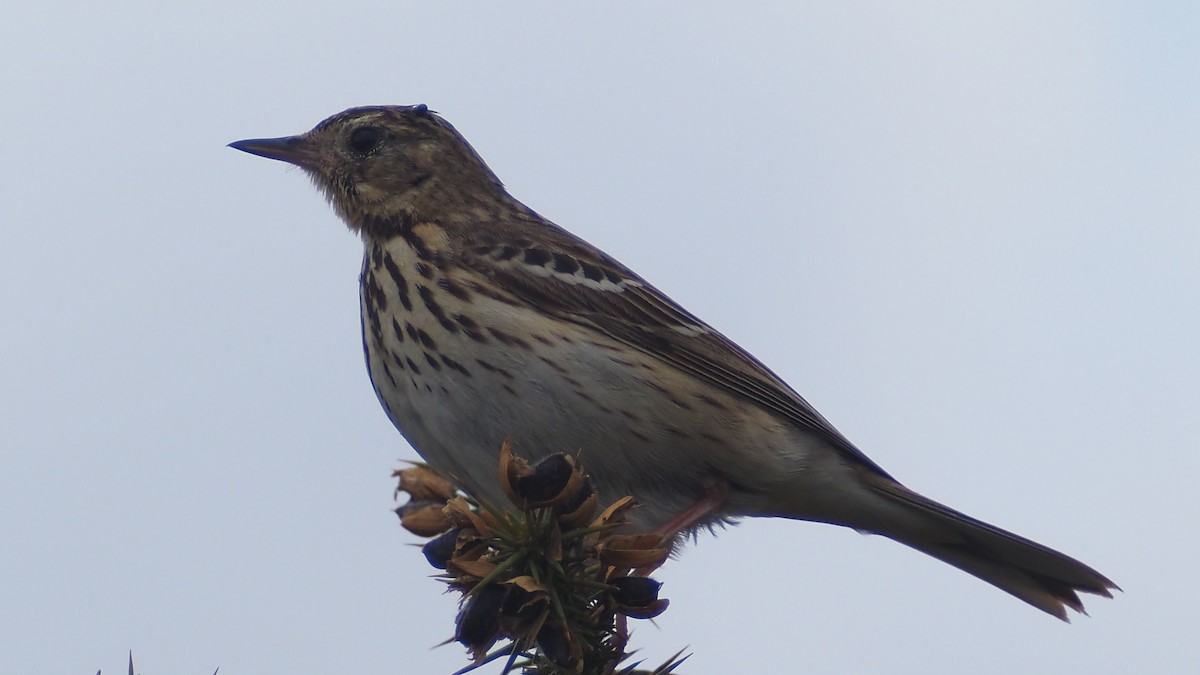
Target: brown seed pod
461, 514
478, 624
556, 644
581, 514
649, 612
549, 483
472, 568
423, 484
633, 551
553, 481
424, 519
616, 512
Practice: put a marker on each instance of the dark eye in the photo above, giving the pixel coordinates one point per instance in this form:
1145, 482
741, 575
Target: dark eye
364, 139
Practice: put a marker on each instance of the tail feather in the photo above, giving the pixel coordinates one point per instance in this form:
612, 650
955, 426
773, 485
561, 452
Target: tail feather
1034, 573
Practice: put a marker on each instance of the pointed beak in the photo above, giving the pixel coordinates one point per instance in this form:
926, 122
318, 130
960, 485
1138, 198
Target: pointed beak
296, 150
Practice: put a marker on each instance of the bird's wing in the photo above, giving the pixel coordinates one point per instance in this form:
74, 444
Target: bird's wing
565, 277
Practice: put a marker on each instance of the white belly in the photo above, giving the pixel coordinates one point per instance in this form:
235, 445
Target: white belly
456, 391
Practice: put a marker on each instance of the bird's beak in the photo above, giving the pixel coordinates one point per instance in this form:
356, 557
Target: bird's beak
296, 150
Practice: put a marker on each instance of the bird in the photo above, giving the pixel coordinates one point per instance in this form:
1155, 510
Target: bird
481, 320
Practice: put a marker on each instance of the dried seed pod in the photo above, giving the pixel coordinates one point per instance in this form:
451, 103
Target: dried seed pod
423, 484
634, 591
548, 482
472, 568
580, 506
551, 482
582, 492
512, 468
478, 623
439, 549
616, 512
556, 644
579, 517
424, 519
461, 514
526, 599
633, 551
649, 612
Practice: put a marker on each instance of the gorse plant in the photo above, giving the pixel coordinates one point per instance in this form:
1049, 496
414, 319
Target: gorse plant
549, 575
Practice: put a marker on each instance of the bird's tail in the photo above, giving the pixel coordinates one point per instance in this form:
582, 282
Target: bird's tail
1034, 573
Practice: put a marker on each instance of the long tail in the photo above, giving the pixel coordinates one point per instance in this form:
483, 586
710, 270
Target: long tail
1034, 573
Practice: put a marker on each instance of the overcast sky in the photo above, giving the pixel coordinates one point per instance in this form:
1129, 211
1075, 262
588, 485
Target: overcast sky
968, 233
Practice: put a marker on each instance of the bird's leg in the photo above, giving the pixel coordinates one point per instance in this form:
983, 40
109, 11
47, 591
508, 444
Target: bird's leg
621, 632
710, 503
712, 500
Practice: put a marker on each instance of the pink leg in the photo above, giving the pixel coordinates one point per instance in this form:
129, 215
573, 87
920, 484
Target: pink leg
621, 632
712, 500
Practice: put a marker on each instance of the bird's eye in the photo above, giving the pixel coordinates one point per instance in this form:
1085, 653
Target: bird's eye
364, 139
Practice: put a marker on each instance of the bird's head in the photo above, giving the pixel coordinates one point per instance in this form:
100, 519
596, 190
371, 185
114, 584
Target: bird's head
381, 166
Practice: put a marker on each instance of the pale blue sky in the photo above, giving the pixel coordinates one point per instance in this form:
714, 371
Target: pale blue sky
968, 233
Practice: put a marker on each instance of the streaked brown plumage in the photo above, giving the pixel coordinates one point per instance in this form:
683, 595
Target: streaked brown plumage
483, 320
